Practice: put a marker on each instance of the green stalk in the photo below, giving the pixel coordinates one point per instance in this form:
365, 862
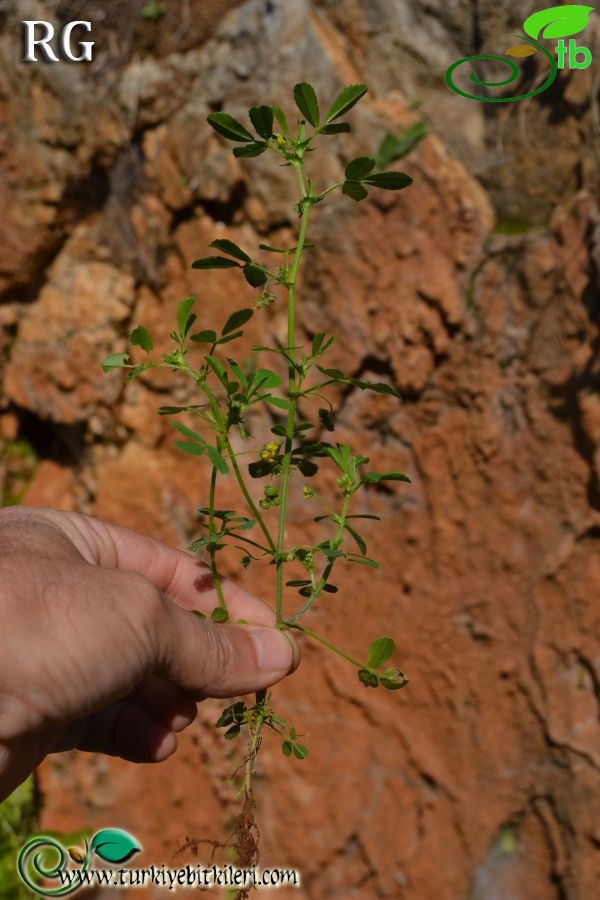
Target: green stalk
337, 543
291, 420
247, 496
326, 643
213, 562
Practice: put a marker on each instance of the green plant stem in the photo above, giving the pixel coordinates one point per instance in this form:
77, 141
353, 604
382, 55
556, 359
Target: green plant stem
325, 642
337, 543
213, 562
291, 420
247, 496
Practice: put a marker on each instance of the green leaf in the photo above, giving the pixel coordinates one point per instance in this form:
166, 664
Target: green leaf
380, 650
137, 370
238, 372
392, 148
217, 460
219, 615
330, 588
232, 732
204, 337
389, 181
113, 845
281, 121
215, 262
307, 103
232, 249
279, 402
265, 378
286, 748
262, 119
369, 679
230, 337
380, 387
300, 751
345, 100
236, 320
359, 168
358, 538
141, 338
217, 367
228, 127
184, 319
254, 149
557, 21
115, 361
254, 274
187, 432
362, 560
171, 410
393, 679
354, 190
198, 614
192, 449
260, 468
376, 477
337, 128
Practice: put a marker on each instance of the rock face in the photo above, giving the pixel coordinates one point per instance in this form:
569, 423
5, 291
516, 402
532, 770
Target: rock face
479, 780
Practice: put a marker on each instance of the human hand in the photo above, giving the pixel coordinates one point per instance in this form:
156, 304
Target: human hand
99, 651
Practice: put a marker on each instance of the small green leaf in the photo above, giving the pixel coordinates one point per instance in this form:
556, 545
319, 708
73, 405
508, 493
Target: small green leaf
281, 121
300, 751
215, 262
187, 432
279, 402
254, 274
307, 103
219, 615
376, 477
359, 168
330, 588
345, 100
232, 732
184, 319
115, 361
217, 460
358, 538
191, 449
392, 148
199, 614
389, 181
236, 320
171, 410
354, 190
265, 378
228, 127
286, 748
226, 246
204, 337
141, 338
369, 679
380, 650
248, 150
337, 128
262, 119
362, 560
137, 370
113, 845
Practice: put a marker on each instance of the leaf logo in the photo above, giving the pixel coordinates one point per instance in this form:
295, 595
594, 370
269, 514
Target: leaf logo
114, 846
557, 21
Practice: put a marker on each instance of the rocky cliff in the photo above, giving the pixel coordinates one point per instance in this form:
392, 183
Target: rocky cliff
475, 293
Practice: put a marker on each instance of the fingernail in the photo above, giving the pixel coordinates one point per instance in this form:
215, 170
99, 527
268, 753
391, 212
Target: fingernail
275, 652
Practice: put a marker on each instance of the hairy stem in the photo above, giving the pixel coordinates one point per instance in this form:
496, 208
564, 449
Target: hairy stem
291, 420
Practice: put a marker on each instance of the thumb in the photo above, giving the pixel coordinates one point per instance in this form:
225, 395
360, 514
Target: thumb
218, 660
